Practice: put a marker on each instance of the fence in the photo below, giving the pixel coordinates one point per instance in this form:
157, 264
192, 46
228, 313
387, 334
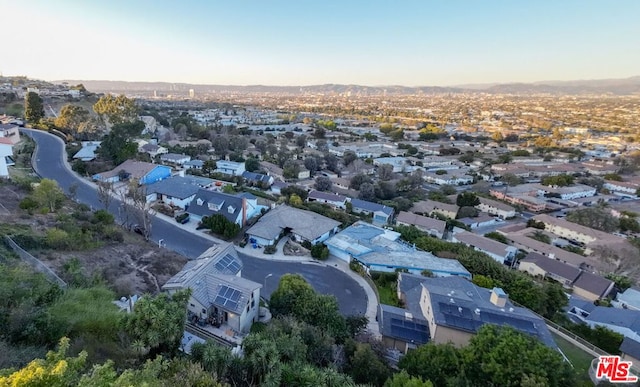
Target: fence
35, 263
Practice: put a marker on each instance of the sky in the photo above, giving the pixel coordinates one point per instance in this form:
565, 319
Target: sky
309, 42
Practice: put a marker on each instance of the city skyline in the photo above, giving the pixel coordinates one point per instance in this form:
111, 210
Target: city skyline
289, 44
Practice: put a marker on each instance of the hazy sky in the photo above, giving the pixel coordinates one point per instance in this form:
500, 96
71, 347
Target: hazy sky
304, 42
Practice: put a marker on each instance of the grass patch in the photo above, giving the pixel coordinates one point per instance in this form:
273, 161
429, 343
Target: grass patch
387, 295
580, 359
386, 283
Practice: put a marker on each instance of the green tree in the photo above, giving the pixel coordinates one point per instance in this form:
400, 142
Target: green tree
295, 200
467, 199
502, 356
116, 110
117, 145
157, 322
252, 164
496, 236
629, 224
594, 217
73, 118
48, 195
291, 169
33, 107
403, 379
365, 366
560, 180
437, 363
323, 183
358, 180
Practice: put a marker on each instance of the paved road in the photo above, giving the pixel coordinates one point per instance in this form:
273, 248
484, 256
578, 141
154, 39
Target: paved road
48, 163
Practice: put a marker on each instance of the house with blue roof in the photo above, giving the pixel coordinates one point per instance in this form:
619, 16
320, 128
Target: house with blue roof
235, 208
258, 179
381, 214
455, 308
379, 249
88, 151
144, 173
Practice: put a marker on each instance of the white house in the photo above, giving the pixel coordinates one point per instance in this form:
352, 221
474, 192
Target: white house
174, 158
496, 250
449, 178
331, 199
230, 167
11, 132
496, 208
6, 150
622, 187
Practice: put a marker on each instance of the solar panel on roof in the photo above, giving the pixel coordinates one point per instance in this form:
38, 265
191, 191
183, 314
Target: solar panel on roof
228, 263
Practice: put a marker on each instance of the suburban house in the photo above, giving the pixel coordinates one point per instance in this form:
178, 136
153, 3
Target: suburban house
10, 132
230, 167
430, 207
499, 251
258, 179
622, 188
624, 321
144, 173
235, 208
399, 164
452, 177
176, 191
6, 151
193, 164
586, 285
152, 149
277, 187
629, 299
434, 227
175, 158
494, 207
379, 249
88, 151
630, 350
455, 309
400, 329
222, 302
381, 214
300, 225
334, 200
272, 170
481, 220
567, 193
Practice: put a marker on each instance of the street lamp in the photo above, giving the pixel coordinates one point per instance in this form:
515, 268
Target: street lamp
265, 279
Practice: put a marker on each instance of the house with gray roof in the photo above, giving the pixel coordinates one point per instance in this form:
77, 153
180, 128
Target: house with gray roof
455, 309
334, 200
624, 321
586, 285
175, 158
400, 329
144, 173
258, 179
379, 249
222, 302
499, 251
300, 225
629, 299
88, 151
177, 191
381, 214
194, 164
235, 208
434, 227
630, 350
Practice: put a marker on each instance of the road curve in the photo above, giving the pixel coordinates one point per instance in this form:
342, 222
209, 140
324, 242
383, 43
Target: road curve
49, 163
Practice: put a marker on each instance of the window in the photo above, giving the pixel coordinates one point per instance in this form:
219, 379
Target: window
204, 311
191, 305
253, 304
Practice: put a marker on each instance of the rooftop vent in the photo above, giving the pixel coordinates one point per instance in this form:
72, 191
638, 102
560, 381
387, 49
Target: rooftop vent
460, 309
511, 309
477, 311
452, 301
470, 294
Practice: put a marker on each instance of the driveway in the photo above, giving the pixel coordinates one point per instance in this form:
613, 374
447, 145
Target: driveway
49, 163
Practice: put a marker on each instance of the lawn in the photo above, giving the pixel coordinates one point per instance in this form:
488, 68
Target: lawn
580, 359
387, 295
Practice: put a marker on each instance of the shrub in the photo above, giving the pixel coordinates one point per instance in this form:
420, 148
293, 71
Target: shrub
58, 239
320, 251
271, 249
28, 204
103, 217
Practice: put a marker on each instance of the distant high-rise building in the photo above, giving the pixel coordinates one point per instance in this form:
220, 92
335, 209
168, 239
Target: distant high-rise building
155, 94
192, 93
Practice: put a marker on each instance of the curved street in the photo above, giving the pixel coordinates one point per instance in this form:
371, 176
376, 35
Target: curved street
49, 162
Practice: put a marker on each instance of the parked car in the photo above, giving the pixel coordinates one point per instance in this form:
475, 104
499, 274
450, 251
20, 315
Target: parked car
182, 218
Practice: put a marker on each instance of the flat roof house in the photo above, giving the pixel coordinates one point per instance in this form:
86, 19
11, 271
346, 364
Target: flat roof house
230, 167
455, 309
144, 173
379, 249
301, 225
381, 214
222, 302
494, 207
175, 158
6, 150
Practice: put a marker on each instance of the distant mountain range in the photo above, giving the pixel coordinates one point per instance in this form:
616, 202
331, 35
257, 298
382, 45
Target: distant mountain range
625, 86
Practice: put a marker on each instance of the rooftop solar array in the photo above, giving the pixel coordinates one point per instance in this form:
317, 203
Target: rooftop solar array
409, 330
228, 264
228, 297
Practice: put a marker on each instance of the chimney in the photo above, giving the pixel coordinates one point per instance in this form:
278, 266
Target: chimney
498, 297
244, 212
